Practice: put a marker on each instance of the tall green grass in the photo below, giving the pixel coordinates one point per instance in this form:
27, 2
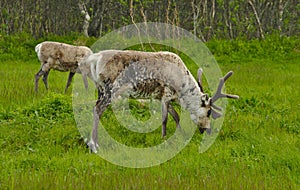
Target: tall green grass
258, 146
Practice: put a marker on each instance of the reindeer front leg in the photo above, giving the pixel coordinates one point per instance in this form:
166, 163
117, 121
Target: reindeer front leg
174, 114
101, 105
85, 81
168, 108
71, 75
164, 114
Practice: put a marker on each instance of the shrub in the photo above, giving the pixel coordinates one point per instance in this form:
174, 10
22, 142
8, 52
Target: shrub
54, 106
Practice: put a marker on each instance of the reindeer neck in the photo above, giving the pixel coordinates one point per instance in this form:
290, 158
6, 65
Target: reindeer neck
190, 96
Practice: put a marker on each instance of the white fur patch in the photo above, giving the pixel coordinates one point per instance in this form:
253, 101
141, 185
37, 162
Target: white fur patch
38, 50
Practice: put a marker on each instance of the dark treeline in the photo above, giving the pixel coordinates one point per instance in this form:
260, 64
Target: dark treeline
206, 18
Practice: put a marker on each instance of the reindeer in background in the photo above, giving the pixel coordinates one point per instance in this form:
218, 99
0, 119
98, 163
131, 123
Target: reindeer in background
61, 57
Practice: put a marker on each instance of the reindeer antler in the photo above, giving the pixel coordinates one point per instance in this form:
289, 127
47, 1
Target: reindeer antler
219, 95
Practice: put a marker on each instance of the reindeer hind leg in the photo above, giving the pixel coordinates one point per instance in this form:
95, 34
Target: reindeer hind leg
37, 78
45, 79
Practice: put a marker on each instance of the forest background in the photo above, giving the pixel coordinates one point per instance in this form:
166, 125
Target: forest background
207, 19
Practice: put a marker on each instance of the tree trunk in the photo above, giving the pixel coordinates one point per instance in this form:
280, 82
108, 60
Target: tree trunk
280, 19
196, 14
257, 19
87, 18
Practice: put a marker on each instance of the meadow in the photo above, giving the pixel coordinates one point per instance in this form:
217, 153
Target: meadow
258, 146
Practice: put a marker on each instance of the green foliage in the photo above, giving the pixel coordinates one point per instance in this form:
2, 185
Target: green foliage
240, 49
54, 106
17, 47
31, 127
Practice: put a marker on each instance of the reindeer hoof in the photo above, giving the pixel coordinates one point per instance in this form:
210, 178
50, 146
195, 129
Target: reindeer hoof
93, 146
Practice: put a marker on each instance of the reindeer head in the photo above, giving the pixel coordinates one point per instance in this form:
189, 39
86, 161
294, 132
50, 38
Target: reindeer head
208, 107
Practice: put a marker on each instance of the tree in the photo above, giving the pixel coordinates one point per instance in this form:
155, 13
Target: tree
87, 18
206, 18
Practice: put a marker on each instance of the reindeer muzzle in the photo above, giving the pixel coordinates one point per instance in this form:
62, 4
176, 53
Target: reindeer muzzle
208, 130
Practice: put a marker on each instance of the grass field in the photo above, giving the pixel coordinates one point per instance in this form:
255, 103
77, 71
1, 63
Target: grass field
257, 148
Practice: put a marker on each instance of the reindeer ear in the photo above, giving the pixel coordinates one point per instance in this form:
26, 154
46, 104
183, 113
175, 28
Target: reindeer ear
215, 115
199, 77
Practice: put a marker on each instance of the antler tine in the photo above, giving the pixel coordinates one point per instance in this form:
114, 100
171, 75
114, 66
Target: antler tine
219, 93
227, 75
216, 107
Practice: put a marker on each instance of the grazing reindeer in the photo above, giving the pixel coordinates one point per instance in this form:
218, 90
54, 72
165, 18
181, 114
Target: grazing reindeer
159, 75
61, 57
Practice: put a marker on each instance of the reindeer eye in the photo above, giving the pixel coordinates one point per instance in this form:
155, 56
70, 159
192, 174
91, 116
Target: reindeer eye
209, 113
